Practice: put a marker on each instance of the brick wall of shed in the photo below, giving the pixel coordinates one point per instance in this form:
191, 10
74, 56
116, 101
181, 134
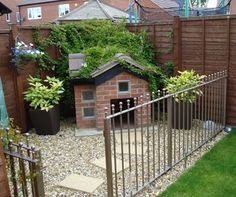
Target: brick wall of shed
79, 105
108, 90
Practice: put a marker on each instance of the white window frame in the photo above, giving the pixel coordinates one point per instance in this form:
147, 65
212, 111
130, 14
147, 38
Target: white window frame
62, 9
118, 87
17, 17
88, 117
8, 18
85, 100
35, 16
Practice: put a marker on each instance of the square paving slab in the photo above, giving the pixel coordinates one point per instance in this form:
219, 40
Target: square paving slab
132, 138
81, 183
132, 149
102, 164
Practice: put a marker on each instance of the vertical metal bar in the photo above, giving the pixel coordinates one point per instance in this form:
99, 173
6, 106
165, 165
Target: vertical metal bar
174, 127
153, 137
122, 148
179, 128
142, 151
183, 106
38, 178
206, 108
225, 97
211, 107
128, 127
169, 129
158, 131
13, 171
191, 124
22, 170
107, 137
214, 104
196, 115
148, 138
114, 146
135, 136
187, 129
164, 129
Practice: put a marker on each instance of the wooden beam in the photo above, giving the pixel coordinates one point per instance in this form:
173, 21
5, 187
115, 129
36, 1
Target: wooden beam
177, 55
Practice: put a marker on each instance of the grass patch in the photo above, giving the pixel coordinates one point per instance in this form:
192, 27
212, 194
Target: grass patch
214, 175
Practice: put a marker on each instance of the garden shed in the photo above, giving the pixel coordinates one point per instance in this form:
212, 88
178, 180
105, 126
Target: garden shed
111, 83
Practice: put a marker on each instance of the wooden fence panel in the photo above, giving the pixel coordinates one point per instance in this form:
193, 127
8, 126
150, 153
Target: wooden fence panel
208, 45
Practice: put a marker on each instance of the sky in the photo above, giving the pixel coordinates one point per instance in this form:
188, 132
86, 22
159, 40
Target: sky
212, 4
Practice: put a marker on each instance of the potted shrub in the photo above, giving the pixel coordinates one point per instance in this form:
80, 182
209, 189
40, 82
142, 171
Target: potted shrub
184, 80
43, 97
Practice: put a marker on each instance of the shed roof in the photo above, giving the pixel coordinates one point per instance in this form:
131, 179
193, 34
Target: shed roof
94, 9
4, 9
109, 65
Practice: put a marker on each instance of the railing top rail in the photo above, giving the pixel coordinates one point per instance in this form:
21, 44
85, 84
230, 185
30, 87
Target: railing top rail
207, 80
17, 155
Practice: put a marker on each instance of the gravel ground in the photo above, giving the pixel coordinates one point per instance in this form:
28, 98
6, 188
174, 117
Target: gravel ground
64, 154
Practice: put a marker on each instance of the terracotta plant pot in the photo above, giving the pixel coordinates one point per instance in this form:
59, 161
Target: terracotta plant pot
45, 123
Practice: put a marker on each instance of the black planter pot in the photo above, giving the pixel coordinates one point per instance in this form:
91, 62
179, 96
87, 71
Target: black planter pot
45, 123
182, 115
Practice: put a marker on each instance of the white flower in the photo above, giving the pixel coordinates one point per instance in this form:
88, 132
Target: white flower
37, 52
84, 64
22, 43
28, 51
42, 53
31, 44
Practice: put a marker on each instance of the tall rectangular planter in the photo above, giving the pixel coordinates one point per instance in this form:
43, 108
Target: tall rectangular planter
45, 123
182, 116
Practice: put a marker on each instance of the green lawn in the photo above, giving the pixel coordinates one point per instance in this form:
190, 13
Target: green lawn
214, 175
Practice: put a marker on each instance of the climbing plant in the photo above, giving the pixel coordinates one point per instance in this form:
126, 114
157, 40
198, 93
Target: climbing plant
99, 41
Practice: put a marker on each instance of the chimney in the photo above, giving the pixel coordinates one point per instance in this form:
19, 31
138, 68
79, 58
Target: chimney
76, 61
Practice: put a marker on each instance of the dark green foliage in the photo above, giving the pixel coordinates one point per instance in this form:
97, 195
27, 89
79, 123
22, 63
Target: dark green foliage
99, 41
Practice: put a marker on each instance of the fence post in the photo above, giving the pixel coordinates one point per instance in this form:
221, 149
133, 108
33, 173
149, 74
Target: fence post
38, 177
4, 186
108, 155
169, 129
225, 95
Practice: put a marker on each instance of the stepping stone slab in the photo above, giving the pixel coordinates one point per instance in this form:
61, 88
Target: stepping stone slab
81, 183
132, 149
102, 164
132, 138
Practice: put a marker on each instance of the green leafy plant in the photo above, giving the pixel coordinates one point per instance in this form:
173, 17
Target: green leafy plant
44, 94
186, 79
99, 40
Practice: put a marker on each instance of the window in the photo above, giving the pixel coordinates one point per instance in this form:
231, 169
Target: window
64, 9
88, 96
123, 86
8, 17
34, 13
17, 17
89, 112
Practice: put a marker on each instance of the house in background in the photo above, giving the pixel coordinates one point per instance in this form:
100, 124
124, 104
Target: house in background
94, 9
37, 12
233, 7
10, 18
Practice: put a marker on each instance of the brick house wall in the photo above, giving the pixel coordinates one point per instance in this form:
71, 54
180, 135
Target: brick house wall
233, 7
104, 93
12, 4
4, 187
50, 11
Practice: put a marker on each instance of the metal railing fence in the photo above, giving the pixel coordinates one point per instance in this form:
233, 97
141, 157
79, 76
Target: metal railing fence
23, 165
162, 133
